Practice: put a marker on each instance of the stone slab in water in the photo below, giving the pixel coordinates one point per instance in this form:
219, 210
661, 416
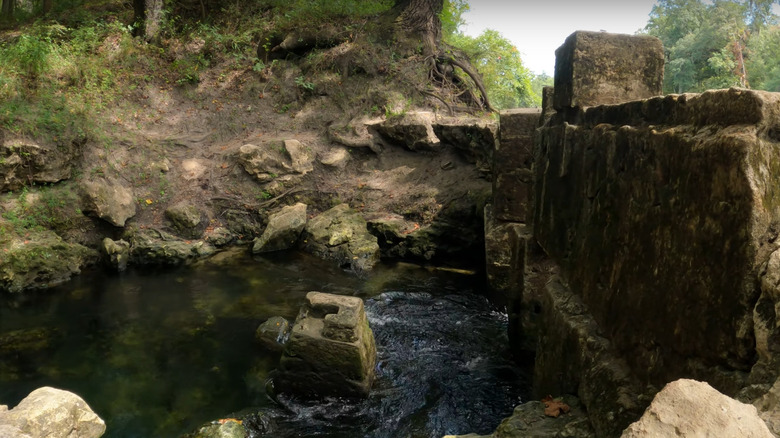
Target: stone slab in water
596, 68
331, 350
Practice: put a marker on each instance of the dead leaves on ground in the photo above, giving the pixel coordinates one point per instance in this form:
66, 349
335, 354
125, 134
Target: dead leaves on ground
554, 407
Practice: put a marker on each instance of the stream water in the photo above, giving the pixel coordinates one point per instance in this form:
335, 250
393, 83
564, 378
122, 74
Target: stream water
157, 354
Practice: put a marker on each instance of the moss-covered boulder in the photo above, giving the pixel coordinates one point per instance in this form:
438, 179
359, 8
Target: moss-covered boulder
154, 247
40, 259
341, 234
186, 219
283, 229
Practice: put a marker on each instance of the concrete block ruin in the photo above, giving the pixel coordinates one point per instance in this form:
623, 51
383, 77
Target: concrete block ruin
654, 254
331, 349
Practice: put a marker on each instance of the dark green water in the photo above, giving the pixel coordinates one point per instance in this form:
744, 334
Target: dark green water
157, 354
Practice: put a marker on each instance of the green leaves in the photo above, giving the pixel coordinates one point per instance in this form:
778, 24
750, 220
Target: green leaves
715, 44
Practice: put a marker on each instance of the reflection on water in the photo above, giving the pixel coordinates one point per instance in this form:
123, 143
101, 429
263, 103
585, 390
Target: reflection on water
157, 354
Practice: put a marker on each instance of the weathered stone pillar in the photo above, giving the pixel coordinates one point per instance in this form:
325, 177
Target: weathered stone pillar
331, 350
512, 161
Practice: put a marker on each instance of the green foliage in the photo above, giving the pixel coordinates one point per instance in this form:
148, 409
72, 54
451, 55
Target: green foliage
50, 208
764, 62
507, 80
452, 16
715, 44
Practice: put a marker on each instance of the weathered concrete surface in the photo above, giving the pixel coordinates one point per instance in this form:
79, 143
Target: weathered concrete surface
687, 408
662, 213
499, 269
573, 357
595, 68
331, 349
512, 161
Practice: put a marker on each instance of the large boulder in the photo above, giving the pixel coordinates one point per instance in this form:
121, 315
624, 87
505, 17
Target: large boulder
109, 200
41, 259
49, 412
341, 234
331, 350
283, 229
687, 408
23, 163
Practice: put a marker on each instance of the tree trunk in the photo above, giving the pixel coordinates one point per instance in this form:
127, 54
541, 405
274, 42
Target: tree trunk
418, 21
47, 6
148, 18
7, 10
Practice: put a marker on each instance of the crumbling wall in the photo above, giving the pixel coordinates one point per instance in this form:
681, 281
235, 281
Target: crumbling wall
661, 214
660, 217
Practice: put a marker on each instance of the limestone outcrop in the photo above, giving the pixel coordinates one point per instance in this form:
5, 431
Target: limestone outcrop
49, 412
687, 408
23, 163
331, 349
41, 259
341, 234
413, 130
283, 230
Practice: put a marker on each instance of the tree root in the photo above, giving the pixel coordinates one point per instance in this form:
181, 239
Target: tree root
473, 74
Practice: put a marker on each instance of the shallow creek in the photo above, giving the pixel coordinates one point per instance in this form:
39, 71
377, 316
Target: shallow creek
159, 353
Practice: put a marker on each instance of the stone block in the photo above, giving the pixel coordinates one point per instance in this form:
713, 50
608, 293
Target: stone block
597, 68
498, 253
548, 110
519, 122
511, 195
513, 153
331, 349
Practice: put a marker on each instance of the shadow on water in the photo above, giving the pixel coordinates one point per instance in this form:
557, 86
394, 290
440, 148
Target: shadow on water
158, 353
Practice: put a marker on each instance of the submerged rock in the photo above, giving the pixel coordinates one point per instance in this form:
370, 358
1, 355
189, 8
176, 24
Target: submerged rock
283, 229
695, 409
49, 412
228, 428
341, 234
273, 333
116, 252
331, 350
41, 260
